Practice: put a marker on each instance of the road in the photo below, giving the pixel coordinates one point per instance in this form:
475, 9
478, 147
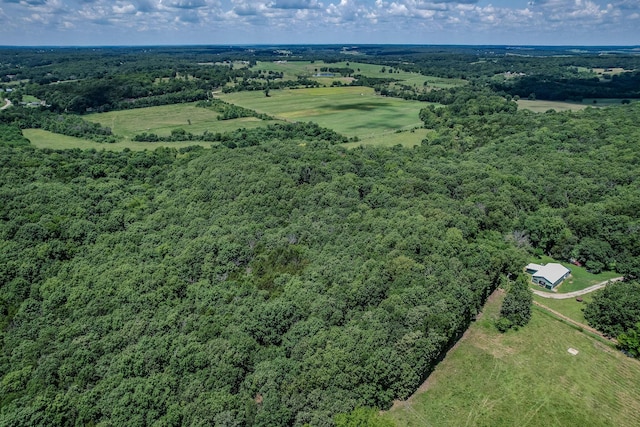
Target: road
7, 105
574, 294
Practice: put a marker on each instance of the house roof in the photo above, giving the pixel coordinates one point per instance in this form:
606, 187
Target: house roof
533, 267
552, 272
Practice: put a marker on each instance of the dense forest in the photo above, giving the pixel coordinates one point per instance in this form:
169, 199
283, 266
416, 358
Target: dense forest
279, 278
287, 283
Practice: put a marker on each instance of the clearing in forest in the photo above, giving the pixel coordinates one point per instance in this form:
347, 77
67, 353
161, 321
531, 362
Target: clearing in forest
526, 377
163, 119
351, 111
291, 70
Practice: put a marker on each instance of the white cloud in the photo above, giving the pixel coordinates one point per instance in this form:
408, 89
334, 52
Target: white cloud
311, 20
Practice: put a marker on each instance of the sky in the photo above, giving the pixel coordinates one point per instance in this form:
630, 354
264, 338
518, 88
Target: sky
226, 22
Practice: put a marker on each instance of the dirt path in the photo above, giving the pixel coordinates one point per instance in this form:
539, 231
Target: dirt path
574, 294
7, 105
581, 325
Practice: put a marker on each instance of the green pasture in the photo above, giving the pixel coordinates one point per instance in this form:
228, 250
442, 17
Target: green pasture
526, 378
163, 119
569, 307
351, 111
308, 69
45, 139
29, 98
541, 106
580, 278
406, 138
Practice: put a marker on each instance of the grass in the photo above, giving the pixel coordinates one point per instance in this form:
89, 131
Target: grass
163, 119
541, 106
389, 139
526, 378
580, 278
45, 139
29, 98
293, 69
351, 111
569, 307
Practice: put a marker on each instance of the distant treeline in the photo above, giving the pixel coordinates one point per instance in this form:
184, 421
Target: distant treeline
625, 85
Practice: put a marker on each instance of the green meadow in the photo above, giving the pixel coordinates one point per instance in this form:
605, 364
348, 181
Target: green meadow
569, 307
163, 119
526, 378
541, 106
45, 139
293, 69
351, 111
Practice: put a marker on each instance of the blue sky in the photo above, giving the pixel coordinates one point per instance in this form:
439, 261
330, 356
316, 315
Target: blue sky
161, 22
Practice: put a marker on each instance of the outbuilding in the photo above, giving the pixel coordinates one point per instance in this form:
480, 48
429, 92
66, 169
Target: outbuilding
549, 275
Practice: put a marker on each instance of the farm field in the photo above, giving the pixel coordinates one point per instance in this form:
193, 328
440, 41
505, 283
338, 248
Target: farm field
351, 111
493, 379
356, 111
541, 106
45, 139
389, 139
308, 69
162, 120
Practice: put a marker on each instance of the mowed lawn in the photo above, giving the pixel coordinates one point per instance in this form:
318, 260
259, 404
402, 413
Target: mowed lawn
569, 307
163, 119
526, 378
351, 111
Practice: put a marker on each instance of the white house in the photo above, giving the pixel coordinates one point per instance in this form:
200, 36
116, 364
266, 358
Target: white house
549, 276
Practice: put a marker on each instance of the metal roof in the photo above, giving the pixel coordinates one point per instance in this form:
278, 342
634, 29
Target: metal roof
552, 272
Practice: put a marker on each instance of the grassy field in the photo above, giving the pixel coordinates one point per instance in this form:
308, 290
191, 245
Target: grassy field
44, 139
541, 106
352, 111
580, 278
163, 119
526, 378
569, 307
292, 70
389, 139
358, 112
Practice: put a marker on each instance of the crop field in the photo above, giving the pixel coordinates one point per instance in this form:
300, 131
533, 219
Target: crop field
163, 119
526, 378
352, 111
